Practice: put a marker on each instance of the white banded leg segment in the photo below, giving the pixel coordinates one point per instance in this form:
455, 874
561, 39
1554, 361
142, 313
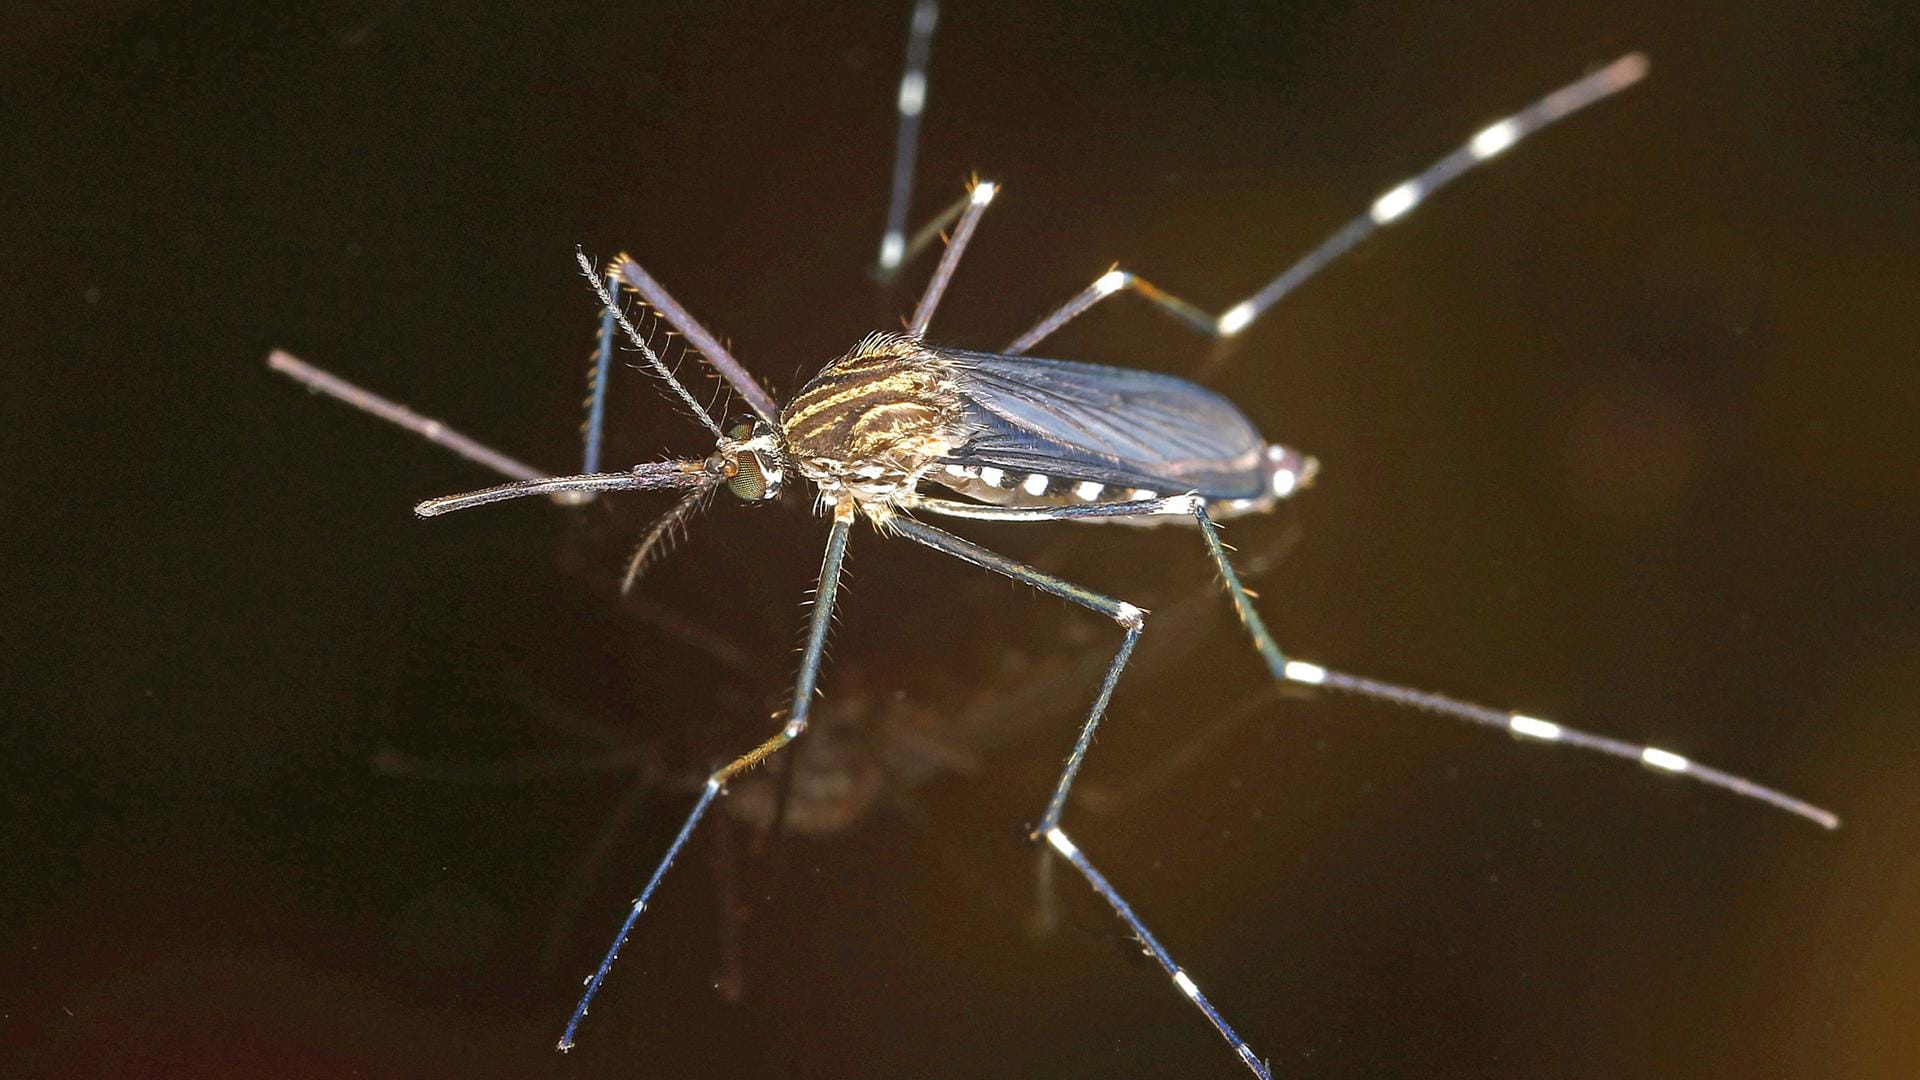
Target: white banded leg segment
911, 102
1533, 727
1183, 982
1391, 206
1133, 619
1403, 198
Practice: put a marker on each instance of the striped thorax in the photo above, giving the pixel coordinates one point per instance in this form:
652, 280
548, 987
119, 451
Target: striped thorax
873, 422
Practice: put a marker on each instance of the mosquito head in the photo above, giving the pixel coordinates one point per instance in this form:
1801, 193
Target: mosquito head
746, 460
749, 460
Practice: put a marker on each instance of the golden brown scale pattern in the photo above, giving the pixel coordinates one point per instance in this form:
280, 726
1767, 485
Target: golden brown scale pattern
876, 419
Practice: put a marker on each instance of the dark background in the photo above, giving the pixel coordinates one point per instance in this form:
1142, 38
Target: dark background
1620, 431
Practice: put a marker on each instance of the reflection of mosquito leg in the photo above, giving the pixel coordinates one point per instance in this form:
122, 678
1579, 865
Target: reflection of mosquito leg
1044, 917
597, 383
923, 237
894, 250
1396, 203
1132, 620
1190, 754
734, 913
587, 869
1306, 674
796, 724
977, 200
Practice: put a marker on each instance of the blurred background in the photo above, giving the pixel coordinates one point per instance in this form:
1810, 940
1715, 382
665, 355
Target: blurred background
1619, 431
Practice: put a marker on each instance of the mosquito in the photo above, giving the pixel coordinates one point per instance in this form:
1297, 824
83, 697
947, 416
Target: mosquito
867, 751
900, 429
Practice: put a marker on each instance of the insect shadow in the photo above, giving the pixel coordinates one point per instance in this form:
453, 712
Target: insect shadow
871, 751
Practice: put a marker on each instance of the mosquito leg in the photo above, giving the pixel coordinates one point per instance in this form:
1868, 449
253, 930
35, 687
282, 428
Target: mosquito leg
679, 318
1392, 206
1304, 673
1071, 852
339, 389
977, 200
1132, 620
796, 723
906, 143
1113, 281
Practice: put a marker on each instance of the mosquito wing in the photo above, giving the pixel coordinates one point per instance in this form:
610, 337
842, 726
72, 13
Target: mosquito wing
1113, 426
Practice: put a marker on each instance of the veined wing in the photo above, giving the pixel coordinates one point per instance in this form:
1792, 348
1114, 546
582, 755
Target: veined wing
1117, 426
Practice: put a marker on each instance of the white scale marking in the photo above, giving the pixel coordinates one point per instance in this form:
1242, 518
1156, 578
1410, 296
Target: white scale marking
1185, 984
1061, 844
1534, 726
983, 193
893, 248
913, 93
1035, 485
1664, 759
1494, 138
1141, 495
1394, 204
956, 470
1088, 490
1111, 282
1303, 672
1284, 481
1235, 319
991, 476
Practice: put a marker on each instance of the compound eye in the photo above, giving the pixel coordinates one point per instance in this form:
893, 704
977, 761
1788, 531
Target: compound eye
740, 430
752, 480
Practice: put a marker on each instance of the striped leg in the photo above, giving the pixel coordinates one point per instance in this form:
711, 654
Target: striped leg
796, 724
1303, 673
1132, 620
894, 250
1393, 205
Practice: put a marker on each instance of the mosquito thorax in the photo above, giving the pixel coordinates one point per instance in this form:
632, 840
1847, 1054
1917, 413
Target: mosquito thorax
749, 461
872, 422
